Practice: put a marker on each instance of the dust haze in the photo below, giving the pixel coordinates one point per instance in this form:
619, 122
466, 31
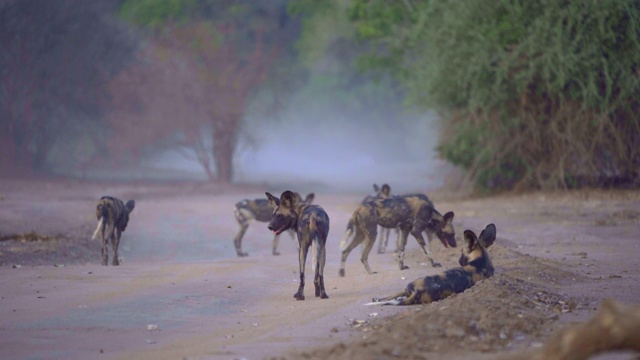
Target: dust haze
325, 150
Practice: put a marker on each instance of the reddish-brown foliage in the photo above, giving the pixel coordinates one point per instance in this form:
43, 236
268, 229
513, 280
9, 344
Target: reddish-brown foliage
190, 89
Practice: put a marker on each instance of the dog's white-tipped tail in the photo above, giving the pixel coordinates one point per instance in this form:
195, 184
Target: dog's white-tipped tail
98, 229
347, 236
388, 302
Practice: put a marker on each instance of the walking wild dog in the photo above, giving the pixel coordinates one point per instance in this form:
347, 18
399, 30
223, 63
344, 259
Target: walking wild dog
382, 246
475, 265
113, 216
380, 193
260, 210
412, 214
311, 224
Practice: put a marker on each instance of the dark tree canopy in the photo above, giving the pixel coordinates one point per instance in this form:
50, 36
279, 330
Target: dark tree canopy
49, 89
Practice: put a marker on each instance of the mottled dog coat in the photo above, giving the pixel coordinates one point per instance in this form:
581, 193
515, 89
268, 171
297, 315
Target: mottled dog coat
412, 214
113, 216
311, 224
475, 265
260, 210
381, 192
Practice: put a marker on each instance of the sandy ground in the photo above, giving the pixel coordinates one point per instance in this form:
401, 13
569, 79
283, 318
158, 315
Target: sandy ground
181, 293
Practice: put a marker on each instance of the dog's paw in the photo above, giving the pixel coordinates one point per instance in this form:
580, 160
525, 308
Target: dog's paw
341, 272
436, 265
298, 296
275, 253
404, 267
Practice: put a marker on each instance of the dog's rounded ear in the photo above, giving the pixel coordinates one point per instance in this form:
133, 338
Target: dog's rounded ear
448, 217
273, 201
130, 205
470, 239
309, 198
488, 235
386, 189
288, 199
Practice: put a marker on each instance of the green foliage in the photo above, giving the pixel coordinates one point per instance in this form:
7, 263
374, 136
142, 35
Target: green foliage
154, 13
554, 83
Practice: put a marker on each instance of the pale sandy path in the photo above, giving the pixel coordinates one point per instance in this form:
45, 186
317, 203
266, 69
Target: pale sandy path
181, 274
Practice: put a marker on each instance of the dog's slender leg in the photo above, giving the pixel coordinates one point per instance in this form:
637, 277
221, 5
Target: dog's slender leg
368, 245
104, 239
383, 240
302, 255
319, 277
315, 258
402, 293
110, 237
408, 300
355, 241
294, 238
115, 241
403, 243
276, 239
237, 241
417, 233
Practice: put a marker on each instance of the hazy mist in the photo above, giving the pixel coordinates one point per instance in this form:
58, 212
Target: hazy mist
325, 149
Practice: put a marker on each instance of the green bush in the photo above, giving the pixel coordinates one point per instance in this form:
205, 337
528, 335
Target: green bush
532, 93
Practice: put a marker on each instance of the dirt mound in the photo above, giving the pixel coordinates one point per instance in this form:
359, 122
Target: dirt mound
34, 248
515, 309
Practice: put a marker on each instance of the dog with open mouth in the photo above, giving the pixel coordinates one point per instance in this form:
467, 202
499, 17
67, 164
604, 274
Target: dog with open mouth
311, 225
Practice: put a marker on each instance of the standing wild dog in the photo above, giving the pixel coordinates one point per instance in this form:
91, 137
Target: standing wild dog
382, 246
383, 192
475, 265
113, 216
412, 214
260, 210
378, 193
311, 224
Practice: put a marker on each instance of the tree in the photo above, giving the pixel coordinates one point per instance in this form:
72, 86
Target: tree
533, 94
190, 89
47, 87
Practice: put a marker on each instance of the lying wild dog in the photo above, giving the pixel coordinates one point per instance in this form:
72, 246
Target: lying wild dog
113, 216
410, 213
246, 211
311, 224
475, 265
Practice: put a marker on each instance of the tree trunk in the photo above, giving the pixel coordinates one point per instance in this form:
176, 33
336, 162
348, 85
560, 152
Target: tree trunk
223, 149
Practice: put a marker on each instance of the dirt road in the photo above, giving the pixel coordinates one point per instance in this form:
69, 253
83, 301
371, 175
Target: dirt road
181, 292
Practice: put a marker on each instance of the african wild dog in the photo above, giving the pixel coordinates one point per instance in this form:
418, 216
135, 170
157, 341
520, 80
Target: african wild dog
380, 193
311, 224
475, 265
113, 216
410, 213
246, 211
382, 246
